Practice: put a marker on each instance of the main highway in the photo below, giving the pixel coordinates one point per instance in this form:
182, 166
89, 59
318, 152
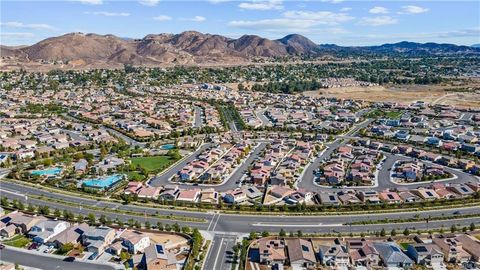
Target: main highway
238, 223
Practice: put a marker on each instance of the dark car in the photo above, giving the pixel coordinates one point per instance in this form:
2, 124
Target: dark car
69, 259
2, 246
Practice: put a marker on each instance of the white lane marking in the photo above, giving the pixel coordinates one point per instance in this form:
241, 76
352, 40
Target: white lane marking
211, 221
12, 192
294, 225
213, 228
218, 253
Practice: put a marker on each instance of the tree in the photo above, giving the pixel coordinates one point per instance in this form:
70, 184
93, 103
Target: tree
91, 219
265, 234
186, 229
159, 226
31, 208
64, 249
382, 232
102, 219
176, 227
299, 233
406, 232
393, 232
453, 228
148, 225
4, 202
282, 233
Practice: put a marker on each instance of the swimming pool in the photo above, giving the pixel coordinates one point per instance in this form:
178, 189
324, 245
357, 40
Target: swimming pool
50, 171
102, 183
167, 146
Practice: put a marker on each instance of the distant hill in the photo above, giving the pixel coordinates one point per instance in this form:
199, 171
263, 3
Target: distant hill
192, 47
475, 45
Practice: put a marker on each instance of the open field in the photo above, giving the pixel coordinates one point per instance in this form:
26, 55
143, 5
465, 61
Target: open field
152, 163
403, 94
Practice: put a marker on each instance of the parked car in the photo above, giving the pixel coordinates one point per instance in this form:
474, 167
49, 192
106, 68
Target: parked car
69, 259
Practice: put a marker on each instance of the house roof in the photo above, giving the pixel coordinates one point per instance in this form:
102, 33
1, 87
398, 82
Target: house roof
300, 249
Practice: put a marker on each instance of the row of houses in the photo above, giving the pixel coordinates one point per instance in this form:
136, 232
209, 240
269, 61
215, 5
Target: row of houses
146, 253
302, 253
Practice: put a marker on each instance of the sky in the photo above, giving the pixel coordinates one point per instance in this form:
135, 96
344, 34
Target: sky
342, 22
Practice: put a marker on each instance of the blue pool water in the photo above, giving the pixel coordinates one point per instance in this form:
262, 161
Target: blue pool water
51, 171
167, 146
104, 183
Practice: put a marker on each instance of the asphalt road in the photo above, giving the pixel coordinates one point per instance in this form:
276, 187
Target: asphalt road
261, 115
48, 262
198, 117
221, 254
245, 223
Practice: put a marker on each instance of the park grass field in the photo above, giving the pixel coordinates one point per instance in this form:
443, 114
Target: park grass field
154, 163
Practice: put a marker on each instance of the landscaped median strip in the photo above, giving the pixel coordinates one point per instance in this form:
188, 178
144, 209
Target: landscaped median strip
414, 219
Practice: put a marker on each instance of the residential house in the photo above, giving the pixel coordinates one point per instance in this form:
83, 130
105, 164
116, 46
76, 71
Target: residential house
46, 229
300, 253
392, 256
157, 257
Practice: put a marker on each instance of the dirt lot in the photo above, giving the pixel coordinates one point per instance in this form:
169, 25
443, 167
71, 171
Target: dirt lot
170, 239
403, 94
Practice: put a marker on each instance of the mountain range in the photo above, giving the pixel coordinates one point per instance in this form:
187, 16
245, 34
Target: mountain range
191, 47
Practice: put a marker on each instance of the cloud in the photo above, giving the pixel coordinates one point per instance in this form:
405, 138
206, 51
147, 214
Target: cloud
297, 21
162, 18
108, 14
413, 10
17, 35
378, 10
36, 26
194, 19
319, 17
378, 21
89, 2
262, 5
332, 1
345, 9
149, 3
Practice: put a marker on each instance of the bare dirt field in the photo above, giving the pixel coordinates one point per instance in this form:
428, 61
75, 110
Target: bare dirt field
403, 94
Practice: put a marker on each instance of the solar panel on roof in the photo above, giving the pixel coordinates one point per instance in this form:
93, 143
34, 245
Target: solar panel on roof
6, 219
421, 249
159, 249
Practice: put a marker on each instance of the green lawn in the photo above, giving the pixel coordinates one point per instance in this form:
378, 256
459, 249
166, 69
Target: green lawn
153, 163
384, 114
19, 241
404, 245
135, 176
